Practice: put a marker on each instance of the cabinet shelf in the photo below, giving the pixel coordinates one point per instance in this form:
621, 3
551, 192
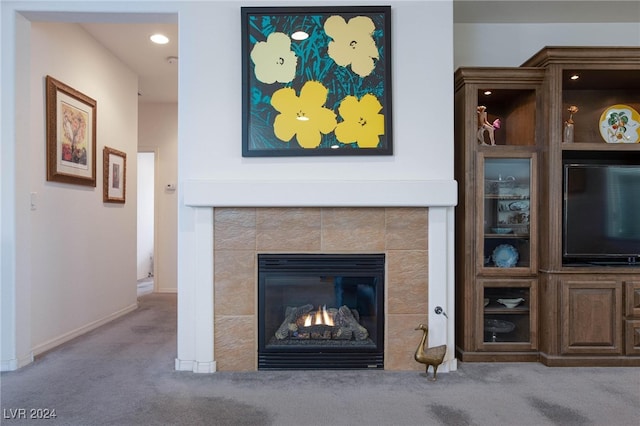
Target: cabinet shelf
600, 146
505, 197
518, 310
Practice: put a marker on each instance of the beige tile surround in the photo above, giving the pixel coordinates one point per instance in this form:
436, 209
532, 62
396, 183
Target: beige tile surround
241, 233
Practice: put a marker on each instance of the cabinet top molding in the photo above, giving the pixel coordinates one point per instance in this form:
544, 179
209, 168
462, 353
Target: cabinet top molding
498, 75
610, 55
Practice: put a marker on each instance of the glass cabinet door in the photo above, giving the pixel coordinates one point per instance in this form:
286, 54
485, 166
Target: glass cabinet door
506, 228
508, 314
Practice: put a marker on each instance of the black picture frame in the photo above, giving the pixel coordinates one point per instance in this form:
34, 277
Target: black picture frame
326, 95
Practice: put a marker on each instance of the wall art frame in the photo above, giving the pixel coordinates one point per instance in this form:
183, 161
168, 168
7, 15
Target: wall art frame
71, 134
325, 93
114, 182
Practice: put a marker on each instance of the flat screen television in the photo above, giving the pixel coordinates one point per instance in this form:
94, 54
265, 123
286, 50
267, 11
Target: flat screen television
601, 212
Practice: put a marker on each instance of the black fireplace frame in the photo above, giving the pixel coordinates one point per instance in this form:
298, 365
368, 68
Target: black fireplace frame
323, 357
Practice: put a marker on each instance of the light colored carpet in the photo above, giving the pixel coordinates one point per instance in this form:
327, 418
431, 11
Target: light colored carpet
123, 374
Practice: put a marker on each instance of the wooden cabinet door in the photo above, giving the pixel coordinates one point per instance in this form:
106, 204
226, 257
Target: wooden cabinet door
632, 297
591, 316
632, 312
632, 338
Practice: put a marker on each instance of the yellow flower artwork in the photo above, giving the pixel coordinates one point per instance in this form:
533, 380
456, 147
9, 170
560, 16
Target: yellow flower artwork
362, 123
316, 81
352, 43
274, 59
304, 117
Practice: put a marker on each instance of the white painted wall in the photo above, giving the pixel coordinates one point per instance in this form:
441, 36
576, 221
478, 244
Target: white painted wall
82, 267
210, 78
510, 45
74, 255
158, 132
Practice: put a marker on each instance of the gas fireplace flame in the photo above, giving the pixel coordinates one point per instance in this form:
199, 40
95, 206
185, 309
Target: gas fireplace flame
320, 317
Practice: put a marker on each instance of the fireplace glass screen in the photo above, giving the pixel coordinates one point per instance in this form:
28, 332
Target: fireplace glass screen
320, 311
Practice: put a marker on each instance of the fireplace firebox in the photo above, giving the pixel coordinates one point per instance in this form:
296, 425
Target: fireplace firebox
320, 311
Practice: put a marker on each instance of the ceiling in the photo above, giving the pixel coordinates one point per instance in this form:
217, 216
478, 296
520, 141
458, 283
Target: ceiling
158, 79
157, 76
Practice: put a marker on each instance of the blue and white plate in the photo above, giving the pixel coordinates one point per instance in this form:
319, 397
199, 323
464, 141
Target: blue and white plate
505, 256
519, 206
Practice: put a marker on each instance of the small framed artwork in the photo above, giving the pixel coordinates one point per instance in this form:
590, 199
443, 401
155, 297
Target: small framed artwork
115, 175
71, 135
316, 81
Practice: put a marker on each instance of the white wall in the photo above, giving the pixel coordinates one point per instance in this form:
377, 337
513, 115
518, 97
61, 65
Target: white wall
210, 134
75, 255
158, 132
510, 45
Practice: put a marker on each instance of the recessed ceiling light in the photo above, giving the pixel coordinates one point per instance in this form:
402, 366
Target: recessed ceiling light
300, 35
574, 77
159, 39
487, 92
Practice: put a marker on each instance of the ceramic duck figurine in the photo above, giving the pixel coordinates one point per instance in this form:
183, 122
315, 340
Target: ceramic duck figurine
430, 356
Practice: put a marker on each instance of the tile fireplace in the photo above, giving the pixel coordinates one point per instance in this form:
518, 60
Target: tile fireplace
226, 224
241, 235
320, 311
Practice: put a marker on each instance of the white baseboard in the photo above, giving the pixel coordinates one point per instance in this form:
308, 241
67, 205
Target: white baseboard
14, 364
195, 366
46, 346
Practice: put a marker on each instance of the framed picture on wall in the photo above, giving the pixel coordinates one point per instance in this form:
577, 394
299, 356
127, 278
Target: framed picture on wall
316, 81
71, 135
114, 180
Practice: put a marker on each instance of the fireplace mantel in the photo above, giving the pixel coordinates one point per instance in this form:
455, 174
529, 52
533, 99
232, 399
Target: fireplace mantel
196, 213
320, 193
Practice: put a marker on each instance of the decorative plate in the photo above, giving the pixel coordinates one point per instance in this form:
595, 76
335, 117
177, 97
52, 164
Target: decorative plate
498, 326
519, 206
620, 124
502, 230
505, 256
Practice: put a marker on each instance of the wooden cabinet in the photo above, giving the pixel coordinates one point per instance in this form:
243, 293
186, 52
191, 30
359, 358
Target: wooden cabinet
586, 319
632, 315
590, 316
511, 218
496, 218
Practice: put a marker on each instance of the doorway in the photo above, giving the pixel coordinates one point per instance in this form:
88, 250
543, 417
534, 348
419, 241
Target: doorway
146, 222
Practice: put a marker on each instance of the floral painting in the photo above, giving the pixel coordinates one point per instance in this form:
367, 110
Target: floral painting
71, 134
316, 81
